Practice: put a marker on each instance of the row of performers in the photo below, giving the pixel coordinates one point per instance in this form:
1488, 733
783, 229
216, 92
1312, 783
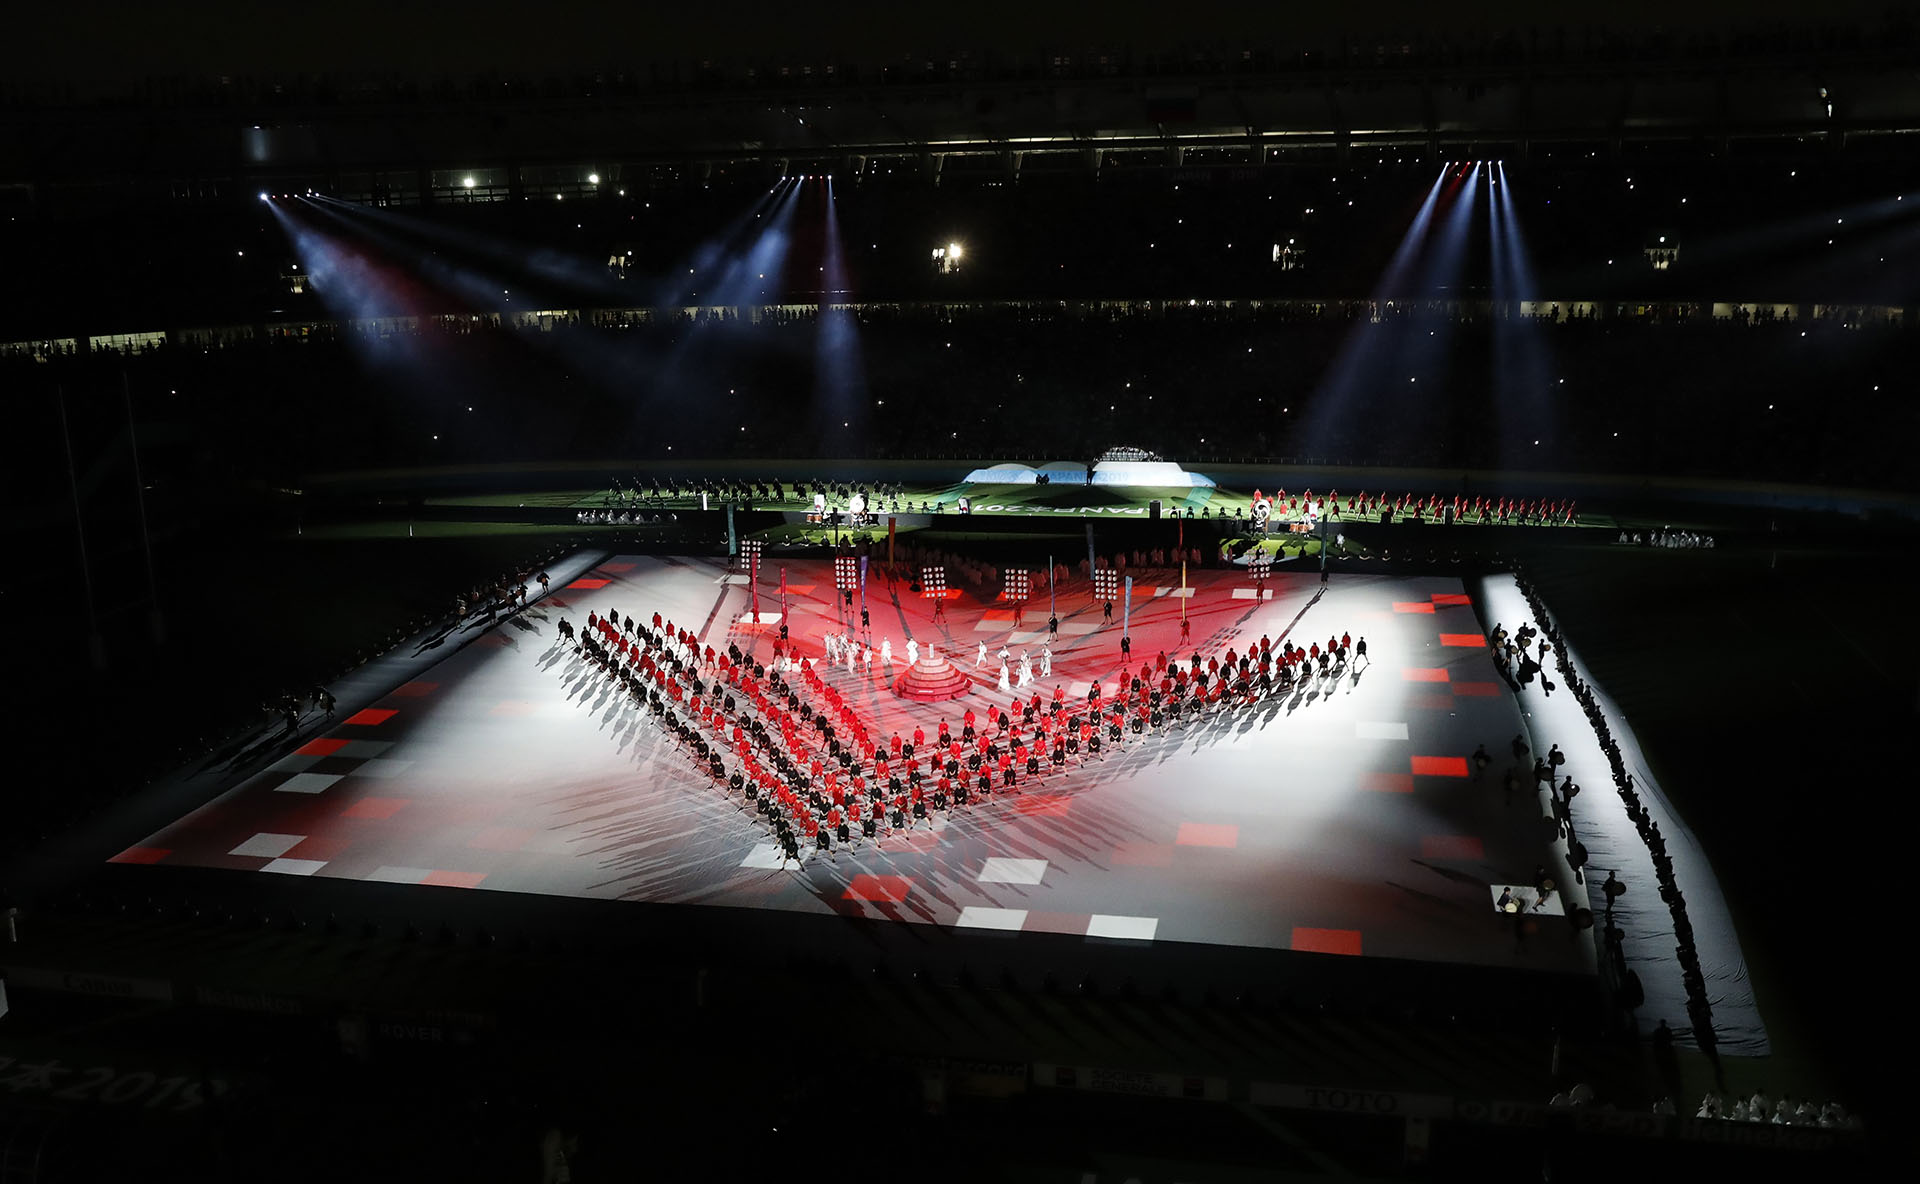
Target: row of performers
1539, 511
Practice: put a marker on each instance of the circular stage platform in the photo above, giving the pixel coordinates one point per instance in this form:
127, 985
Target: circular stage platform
932, 679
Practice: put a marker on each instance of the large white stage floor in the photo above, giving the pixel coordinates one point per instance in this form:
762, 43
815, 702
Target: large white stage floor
1342, 820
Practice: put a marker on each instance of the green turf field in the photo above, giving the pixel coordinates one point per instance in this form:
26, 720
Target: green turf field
427, 528
1037, 501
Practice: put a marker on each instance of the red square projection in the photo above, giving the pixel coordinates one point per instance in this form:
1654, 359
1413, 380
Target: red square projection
1388, 782
800, 589
1412, 606
880, 889
1423, 674
455, 879
1208, 834
1143, 855
1050, 805
1327, 941
322, 747
589, 585
1452, 847
1452, 599
1483, 690
1465, 641
376, 808
142, 855
414, 690
1440, 766
999, 616
372, 716
320, 847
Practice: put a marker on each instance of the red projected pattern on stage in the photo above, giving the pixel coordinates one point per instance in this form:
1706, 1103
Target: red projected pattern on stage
348, 806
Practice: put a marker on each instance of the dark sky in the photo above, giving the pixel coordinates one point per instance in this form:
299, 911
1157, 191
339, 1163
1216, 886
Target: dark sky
50, 39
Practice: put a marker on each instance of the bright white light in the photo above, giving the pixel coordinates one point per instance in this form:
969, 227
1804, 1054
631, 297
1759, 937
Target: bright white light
263, 197
467, 182
953, 250
593, 178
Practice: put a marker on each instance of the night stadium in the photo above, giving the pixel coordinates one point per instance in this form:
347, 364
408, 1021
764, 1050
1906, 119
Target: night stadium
1169, 596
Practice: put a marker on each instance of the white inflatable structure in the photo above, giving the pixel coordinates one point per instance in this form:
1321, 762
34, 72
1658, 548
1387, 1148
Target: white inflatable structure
1106, 472
1148, 472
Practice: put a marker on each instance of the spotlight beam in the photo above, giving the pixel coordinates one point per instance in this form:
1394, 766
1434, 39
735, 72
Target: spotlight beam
1329, 405
480, 293
1524, 388
839, 368
517, 263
